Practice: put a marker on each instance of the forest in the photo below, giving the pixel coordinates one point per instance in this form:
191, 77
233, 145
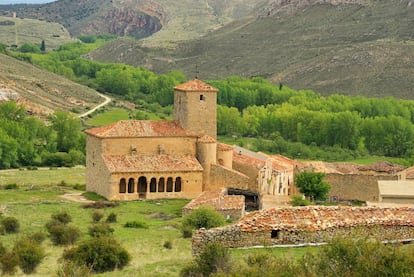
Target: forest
272, 117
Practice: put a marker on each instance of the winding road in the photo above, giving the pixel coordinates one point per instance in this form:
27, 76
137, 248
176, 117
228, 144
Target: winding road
106, 102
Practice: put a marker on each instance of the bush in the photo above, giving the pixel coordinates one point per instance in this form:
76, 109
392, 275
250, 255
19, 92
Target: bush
297, 200
29, 253
11, 186
100, 230
212, 259
111, 218
61, 234
99, 254
136, 224
69, 269
10, 225
62, 217
9, 262
97, 216
203, 217
38, 237
168, 244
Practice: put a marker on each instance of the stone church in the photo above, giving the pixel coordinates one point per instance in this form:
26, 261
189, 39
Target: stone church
142, 159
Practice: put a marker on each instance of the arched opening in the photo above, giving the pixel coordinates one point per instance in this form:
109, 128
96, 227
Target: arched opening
275, 234
169, 184
131, 185
177, 184
142, 187
161, 184
122, 185
153, 185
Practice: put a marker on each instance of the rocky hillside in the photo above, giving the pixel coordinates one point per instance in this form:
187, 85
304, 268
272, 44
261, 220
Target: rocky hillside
91, 17
351, 47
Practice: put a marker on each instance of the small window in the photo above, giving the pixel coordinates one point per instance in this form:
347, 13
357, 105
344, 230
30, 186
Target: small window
275, 234
202, 97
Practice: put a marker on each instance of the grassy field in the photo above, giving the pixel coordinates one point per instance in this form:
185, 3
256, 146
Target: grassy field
34, 207
108, 117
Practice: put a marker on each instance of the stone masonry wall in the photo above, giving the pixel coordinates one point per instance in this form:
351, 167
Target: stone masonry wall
233, 237
355, 186
223, 177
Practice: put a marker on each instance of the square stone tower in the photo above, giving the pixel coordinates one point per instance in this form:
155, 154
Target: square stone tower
195, 107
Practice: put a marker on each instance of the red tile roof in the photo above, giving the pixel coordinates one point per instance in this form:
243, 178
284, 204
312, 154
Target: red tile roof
206, 139
321, 218
224, 147
195, 85
139, 128
151, 163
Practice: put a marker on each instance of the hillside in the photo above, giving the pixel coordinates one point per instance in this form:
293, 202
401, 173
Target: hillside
359, 48
43, 92
177, 20
19, 31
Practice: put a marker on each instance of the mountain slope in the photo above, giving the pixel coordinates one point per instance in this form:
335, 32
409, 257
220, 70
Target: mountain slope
44, 95
360, 48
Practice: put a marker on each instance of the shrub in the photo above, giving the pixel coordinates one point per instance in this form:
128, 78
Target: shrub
297, 200
97, 216
111, 218
203, 217
62, 217
68, 269
61, 234
29, 253
38, 237
11, 186
99, 254
212, 259
136, 224
100, 230
10, 225
168, 244
9, 262
187, 231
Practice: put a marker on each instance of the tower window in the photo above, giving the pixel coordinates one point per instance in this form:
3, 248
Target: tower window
202, 97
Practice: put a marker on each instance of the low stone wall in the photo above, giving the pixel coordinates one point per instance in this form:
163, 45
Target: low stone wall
310, 225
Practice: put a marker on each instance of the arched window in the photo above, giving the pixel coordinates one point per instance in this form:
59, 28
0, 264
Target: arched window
178, 184
169, 184
161, 184
153, 185
131, 185
122, 186
142, 187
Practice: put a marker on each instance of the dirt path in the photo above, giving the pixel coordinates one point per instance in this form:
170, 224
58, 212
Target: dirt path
76, 197
106, 102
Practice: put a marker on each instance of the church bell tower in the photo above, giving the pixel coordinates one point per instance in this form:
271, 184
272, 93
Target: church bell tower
195, 107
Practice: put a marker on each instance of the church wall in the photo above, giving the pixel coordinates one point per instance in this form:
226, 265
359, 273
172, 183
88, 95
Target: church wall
221, 177
97, 175
206, 155
225, 158
170, 145
190, 185
251, 171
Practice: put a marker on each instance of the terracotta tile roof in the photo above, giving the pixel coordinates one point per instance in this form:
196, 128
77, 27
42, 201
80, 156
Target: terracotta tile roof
139, 128
217, 199
224, 147
321, 218
195, 85
151, 163
206, 139
410, 173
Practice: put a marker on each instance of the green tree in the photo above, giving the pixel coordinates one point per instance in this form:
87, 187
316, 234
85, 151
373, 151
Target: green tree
43, 46
67, 129
312, 185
